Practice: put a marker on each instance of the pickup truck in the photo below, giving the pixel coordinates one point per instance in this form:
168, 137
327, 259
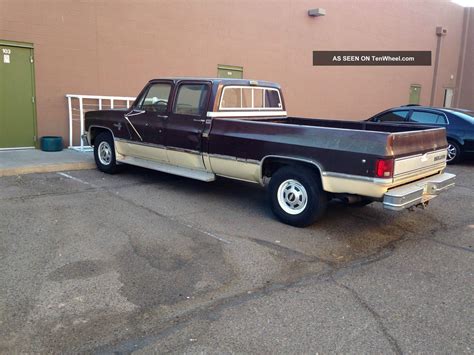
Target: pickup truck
202, 128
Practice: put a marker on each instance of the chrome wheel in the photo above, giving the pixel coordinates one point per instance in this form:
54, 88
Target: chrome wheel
452, 152
105, 153
292, 197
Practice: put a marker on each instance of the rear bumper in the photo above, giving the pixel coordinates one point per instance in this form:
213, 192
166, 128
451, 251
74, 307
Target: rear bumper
418, 192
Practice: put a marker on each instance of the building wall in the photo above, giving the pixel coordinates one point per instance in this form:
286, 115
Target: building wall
113, 47
466, 97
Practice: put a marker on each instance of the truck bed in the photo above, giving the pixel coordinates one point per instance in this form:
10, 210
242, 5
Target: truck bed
345, 147
340, 124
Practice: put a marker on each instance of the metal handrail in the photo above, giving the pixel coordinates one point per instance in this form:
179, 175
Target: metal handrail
101, 100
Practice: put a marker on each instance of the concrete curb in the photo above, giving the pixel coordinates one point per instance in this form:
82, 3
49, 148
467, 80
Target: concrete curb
46, 168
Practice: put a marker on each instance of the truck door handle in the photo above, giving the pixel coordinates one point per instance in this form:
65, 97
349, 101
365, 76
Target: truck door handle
199, 120
162, 116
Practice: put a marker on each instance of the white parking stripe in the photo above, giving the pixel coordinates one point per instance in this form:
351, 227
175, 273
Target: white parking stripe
203, 231
174, 219
76, 179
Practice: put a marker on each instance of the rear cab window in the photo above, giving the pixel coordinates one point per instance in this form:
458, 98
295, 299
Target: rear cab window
250, 98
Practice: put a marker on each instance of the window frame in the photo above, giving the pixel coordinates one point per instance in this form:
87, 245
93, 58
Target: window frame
439, 113
206, 100
141, 98
250, 108
405, 119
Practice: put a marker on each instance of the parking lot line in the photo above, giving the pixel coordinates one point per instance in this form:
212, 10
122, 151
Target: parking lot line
77, 179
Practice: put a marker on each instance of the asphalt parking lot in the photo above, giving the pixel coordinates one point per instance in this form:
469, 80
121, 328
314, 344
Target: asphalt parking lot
148, 262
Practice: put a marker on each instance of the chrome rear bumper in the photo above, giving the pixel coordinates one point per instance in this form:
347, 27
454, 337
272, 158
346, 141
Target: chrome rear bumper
418, 192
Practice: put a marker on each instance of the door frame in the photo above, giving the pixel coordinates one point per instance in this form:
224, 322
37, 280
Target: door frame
445, 89
29, 45
413, 86
230, 67
188, 156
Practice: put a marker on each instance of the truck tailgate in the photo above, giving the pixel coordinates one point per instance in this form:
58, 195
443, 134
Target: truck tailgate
418, 153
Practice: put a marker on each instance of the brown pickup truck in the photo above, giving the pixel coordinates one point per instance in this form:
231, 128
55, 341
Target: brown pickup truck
200, 128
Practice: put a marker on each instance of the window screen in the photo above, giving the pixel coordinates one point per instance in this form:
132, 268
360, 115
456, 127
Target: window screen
191, 99
393, 116
156, 99
427, 117
250, 98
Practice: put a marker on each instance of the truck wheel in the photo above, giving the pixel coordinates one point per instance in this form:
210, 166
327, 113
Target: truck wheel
296, 196
104, 153
454, 153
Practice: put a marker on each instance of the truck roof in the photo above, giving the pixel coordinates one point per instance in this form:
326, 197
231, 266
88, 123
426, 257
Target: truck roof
224, 81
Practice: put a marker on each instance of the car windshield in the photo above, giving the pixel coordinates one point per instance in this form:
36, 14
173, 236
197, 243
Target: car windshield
464, 114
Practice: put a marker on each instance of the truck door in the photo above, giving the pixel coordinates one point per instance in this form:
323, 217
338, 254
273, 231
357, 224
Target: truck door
147, 121
185, 125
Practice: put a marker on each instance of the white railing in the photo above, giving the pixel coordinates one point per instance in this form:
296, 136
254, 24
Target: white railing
78, 105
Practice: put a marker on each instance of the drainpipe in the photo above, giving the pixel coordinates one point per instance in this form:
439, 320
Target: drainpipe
462, 57
440, 32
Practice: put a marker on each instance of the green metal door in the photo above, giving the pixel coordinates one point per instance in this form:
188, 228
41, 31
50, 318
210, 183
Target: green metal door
415, 91
17, 107
230, 71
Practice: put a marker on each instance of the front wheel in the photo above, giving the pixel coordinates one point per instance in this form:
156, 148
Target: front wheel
104, 153
296, 196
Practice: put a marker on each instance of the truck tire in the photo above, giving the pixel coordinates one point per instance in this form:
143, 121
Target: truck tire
454, 152
296, 196
104, 153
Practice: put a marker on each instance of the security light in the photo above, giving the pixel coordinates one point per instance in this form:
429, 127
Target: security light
316, 12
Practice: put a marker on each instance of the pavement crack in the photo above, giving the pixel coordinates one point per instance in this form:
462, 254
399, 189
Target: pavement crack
174, 220
48, 194
289, 252
179, 321
378, 319
450, 245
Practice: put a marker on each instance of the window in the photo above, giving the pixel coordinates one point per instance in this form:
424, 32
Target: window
427, 117
467, 116
192, 99
393, 116
250, 98
156, 99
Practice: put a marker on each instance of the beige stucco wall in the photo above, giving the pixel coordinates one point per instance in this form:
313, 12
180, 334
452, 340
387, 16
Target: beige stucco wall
466, 97
113, 47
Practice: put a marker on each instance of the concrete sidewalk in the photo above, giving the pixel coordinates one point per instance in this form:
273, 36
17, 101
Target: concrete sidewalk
28, 161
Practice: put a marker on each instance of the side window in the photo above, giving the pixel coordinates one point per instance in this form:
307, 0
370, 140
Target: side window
393, 116
156, 99
427, 117
191, 99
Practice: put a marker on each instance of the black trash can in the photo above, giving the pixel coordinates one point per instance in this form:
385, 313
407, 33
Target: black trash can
51, 144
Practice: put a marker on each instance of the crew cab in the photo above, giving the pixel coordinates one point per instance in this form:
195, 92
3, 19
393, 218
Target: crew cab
202, 128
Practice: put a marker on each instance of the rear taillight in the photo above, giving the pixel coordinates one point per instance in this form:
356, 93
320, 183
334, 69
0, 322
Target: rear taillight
384, 168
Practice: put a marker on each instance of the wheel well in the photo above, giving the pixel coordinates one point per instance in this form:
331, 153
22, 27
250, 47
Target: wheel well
271, 165
95, 131
454, 140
